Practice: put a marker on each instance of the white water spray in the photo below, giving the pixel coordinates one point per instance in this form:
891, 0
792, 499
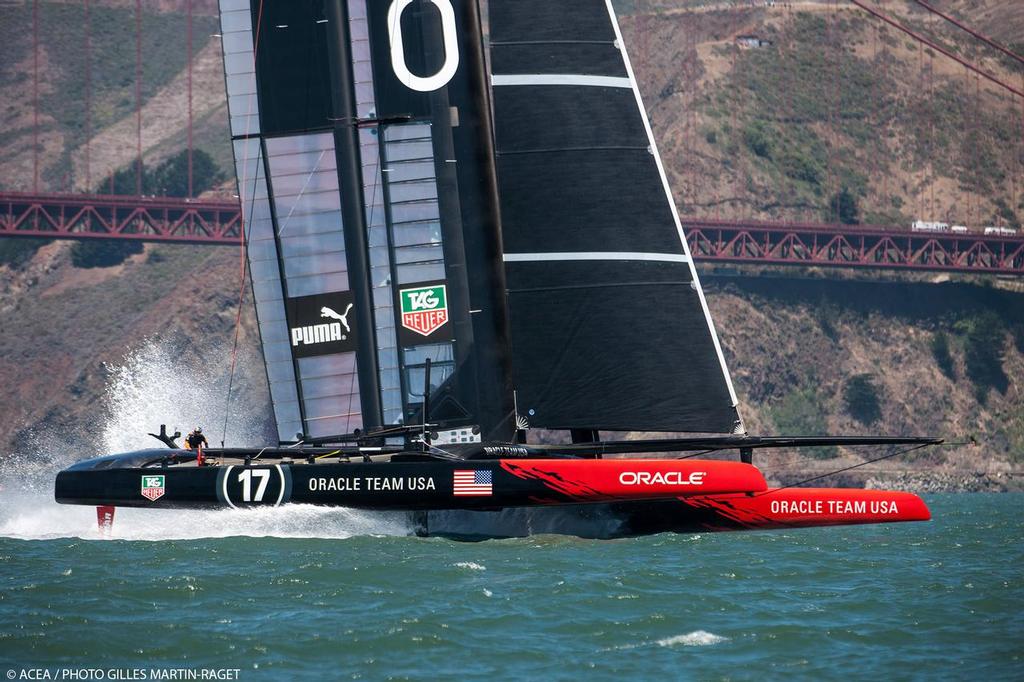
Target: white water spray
156, 384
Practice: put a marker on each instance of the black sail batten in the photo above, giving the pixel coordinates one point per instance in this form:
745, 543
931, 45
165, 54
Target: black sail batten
610, 329
366, 174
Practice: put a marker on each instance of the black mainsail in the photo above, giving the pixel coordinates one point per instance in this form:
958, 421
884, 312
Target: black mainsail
366, 169
610, 329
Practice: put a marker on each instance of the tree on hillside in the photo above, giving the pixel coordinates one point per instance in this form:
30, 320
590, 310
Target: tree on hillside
169, 178
861, 398
843, 208
103, 253
942, 355
16, 251
984, 348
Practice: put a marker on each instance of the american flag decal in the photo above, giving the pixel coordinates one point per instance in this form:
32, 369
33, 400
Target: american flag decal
473, 482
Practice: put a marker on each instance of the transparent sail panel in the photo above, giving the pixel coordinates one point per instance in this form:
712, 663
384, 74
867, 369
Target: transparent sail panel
266, 284
381, 276
417, 251
307, 215
239, 66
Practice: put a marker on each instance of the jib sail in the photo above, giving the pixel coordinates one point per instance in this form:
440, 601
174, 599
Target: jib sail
610, 329
366, 175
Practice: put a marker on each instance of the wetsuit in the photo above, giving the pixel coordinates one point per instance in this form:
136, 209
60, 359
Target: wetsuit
194, 440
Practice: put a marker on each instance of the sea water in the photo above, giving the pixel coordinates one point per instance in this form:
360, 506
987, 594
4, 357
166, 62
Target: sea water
303, 593
312, 593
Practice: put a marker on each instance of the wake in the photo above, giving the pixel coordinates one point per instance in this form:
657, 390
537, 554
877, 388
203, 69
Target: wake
156, 385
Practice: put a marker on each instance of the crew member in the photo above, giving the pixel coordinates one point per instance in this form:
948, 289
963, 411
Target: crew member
197, 441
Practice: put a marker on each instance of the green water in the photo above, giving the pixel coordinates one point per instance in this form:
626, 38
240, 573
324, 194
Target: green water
330, 594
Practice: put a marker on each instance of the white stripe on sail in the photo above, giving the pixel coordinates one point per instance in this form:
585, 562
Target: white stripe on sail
596, 255
561, 79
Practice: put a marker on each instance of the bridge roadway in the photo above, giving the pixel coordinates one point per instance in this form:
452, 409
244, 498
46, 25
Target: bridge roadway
203, 221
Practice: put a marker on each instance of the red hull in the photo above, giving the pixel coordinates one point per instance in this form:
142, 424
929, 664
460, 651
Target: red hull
806, 507
605, 480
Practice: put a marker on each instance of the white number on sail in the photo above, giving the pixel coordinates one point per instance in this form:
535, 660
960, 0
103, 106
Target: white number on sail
451, 47
245, 478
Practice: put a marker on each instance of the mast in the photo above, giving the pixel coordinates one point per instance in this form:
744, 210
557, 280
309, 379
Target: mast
353, 209
486, 270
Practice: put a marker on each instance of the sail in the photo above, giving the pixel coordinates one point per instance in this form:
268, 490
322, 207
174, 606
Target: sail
365, 171
610, 329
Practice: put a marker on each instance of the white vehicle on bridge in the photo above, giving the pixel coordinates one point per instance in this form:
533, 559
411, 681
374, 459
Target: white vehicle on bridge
929, 226
1000, 231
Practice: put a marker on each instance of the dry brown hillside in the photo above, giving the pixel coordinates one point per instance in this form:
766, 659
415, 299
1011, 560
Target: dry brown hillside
832, 99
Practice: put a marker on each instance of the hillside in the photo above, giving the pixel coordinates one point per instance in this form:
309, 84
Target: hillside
744, 132
833, 100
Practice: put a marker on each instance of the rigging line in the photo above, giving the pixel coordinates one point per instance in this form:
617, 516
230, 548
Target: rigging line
849, 468
238, 323
301, 192
696, 454
441, 452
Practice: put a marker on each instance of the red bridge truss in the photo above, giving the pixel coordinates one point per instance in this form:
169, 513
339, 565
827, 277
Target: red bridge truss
159, 219
866, 246
203, 221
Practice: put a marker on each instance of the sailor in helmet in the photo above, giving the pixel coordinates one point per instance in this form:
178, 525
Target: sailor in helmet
196, 441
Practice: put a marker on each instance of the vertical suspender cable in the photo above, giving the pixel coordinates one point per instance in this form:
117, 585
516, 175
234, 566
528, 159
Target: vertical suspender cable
188, 40
138, 97
88, 99
35, 96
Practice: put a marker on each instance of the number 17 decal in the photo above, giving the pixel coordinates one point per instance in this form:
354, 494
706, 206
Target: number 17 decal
245, 478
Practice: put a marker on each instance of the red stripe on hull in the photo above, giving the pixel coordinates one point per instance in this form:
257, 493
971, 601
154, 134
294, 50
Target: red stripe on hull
602, 480
805, 507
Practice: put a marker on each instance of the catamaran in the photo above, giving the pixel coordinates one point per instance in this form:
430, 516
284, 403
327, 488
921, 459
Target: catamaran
457, 254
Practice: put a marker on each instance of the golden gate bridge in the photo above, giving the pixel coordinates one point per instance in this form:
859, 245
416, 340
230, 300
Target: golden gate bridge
45, 213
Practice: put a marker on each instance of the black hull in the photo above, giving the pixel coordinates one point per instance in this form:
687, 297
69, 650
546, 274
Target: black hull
484, 497
407, 482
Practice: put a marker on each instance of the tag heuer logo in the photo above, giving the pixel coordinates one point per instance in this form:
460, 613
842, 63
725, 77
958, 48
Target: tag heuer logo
153, 487
425, 309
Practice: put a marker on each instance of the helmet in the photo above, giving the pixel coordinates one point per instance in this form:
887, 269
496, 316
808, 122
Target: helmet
199, 429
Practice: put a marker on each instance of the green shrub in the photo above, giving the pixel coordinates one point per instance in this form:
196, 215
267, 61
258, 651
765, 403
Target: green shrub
861, 398
169, 178
758, 139
16, 251
799, 413
984, 346
843, 207
942, 355
800, 165
102, 253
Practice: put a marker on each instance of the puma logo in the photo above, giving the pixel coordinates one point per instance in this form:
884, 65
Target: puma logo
343, 318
